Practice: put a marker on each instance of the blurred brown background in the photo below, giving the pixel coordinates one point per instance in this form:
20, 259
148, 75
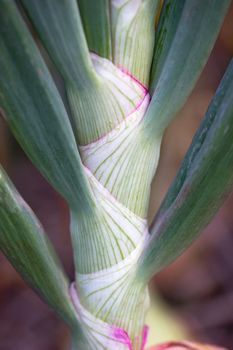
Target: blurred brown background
198, 286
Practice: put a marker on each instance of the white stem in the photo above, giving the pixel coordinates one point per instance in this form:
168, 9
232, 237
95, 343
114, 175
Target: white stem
109, 301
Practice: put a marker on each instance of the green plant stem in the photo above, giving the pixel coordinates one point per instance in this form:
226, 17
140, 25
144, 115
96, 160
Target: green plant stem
105, 170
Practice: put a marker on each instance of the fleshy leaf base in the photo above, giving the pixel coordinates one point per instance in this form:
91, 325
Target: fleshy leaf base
101, 335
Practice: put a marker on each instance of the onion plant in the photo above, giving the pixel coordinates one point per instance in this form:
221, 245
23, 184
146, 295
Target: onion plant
128, 66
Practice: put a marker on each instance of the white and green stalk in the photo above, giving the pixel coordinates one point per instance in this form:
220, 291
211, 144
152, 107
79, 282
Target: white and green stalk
124, 83
110, 242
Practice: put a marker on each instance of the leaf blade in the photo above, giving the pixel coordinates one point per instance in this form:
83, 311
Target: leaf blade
200, 187
60, 28
165, 32
97, 27
192, 29
25, 244
35, 112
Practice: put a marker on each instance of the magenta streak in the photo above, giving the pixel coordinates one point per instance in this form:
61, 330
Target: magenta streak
122, 336
145, 92
117, 334
125, 70
145, 333
117, 126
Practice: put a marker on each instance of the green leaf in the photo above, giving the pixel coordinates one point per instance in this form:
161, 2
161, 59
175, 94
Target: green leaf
59, 25
186, 35
96, 22
165, 33
35, 112
24, 243
201, 185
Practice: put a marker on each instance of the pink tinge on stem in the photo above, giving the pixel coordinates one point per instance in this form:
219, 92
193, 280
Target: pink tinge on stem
145, 334
127, 72
106, 335
185, 345
122, 336
140, 108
